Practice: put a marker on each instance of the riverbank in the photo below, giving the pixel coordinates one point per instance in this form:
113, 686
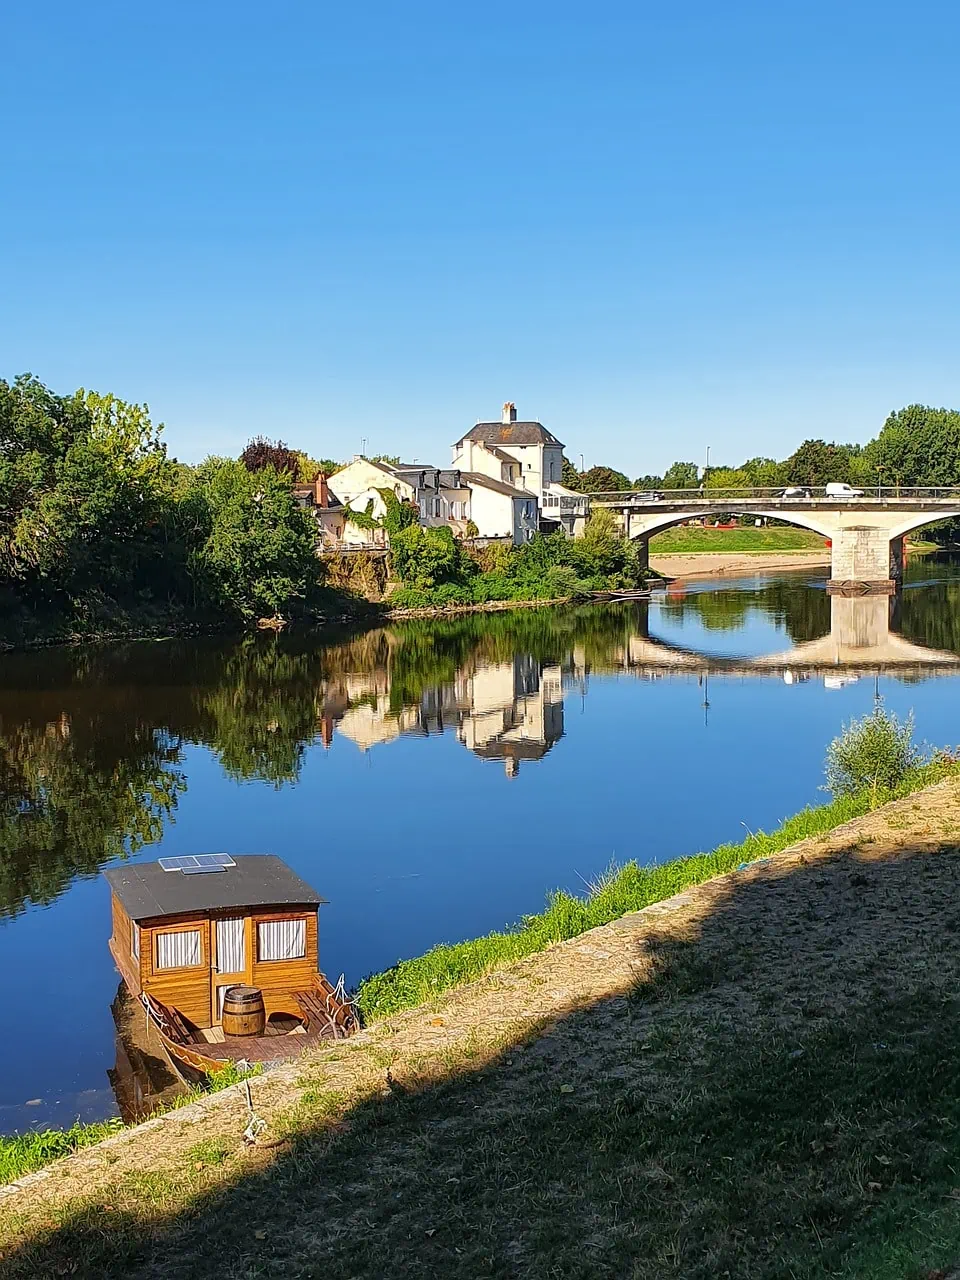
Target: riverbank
715, 564
752, 1077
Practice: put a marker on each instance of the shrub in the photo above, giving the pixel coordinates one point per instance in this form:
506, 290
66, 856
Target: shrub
875, 753
561, 580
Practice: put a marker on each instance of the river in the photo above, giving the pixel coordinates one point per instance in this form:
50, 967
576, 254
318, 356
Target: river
433, 780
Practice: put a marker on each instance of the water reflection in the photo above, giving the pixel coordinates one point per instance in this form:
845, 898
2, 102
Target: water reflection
92, 742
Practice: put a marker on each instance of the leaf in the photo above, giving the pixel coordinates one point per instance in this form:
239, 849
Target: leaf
566, 1088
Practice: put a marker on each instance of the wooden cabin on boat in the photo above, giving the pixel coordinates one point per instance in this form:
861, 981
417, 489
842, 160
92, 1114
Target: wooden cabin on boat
187, 930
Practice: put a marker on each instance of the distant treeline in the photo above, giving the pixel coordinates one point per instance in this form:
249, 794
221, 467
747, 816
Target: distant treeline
917, 445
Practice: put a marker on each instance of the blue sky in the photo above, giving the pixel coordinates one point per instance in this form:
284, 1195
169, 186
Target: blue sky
653, 226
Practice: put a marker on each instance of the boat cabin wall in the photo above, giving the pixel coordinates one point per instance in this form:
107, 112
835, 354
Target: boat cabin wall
184, 986
192, 987
123, 944
277, 979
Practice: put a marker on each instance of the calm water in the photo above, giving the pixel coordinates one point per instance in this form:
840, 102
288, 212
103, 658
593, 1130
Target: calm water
433, 781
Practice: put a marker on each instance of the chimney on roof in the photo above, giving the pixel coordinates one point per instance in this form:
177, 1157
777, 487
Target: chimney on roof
509, 412
321, 491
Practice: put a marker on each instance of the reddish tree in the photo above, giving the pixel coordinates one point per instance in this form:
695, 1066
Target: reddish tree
261, 452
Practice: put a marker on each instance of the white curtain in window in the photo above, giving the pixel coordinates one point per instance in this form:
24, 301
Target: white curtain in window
282, 939
231, 952
178, 950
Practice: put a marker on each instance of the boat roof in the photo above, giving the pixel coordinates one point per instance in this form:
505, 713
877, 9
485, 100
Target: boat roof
256, 879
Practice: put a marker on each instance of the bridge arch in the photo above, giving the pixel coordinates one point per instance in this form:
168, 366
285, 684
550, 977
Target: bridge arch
644, 526
918, 521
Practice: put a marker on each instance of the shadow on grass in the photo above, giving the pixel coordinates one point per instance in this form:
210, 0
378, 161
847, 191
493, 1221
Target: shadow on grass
776, 1096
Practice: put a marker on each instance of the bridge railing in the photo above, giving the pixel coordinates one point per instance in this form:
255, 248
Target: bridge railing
787, 495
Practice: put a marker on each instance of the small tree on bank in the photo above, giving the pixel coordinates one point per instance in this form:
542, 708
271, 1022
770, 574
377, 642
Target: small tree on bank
875, 753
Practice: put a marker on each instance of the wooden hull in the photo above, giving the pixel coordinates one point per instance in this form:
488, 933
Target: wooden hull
326, 1016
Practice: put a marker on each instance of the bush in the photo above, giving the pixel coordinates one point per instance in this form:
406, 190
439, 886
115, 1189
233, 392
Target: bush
561, 580
874, 753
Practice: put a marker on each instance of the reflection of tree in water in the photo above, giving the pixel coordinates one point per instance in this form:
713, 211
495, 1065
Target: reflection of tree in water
72, 798
803, 613
90, 739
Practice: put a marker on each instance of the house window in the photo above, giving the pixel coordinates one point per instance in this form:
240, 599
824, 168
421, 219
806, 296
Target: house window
178, 950
438, 506
135, 941
281, 939
423, 506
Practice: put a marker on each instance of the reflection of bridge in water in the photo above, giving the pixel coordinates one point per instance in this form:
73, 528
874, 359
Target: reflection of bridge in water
860, 641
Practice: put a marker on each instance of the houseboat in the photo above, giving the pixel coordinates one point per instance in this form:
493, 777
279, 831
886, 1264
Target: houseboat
223, 954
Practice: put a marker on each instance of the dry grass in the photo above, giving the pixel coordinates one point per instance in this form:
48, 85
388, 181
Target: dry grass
756, 1080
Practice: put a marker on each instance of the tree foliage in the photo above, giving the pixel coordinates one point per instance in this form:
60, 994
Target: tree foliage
817, 463
261, 453
681, 475
603, 480
259, 554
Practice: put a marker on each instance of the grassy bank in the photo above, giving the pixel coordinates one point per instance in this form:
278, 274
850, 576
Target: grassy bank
22, 1153
692, 539
628, 888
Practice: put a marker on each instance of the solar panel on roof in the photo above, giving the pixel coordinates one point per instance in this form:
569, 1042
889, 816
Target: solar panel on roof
193, 863
201, 871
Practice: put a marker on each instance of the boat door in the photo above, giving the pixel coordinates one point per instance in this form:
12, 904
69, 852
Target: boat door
231, 960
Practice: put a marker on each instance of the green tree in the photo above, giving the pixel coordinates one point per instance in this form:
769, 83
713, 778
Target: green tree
648, 482
258, 557
817, 463
427, 557
309, 468
603, 480
570, 476
764, 473
917, 445
681, 475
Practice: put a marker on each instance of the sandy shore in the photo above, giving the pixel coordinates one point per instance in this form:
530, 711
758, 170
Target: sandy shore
722, 564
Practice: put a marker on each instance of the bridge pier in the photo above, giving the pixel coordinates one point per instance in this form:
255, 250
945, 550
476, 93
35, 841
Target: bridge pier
865, 557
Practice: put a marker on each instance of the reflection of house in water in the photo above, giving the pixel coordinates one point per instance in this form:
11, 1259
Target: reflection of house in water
512, 711
508, 711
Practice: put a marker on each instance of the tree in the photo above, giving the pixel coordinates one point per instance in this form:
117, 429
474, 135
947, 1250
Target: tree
309, 468
726, 478
648, 482
426, 557
817, 463
258, 557
681, 475
917, 445
569, 475
764, 473
261, 453
85, 490
603, 480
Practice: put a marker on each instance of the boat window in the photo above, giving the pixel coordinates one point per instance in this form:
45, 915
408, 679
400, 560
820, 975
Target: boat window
178, 950
281, 939
135, 941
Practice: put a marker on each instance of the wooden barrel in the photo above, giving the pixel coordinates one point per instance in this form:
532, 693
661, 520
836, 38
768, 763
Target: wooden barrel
243, 1012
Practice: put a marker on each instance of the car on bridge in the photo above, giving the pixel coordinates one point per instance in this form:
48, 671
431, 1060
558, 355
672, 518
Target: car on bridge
648, 496
795, 491
842, 491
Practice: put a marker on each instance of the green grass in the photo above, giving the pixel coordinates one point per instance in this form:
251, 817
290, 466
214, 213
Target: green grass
629, 888
25, 1152
690, 538
22, 1153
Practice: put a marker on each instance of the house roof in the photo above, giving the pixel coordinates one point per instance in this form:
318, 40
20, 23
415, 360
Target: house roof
476, 479
258, 879
510, 433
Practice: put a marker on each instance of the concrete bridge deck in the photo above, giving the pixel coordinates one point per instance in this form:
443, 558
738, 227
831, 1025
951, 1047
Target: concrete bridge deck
866, 530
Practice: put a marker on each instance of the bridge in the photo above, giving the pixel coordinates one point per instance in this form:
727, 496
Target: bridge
866, 531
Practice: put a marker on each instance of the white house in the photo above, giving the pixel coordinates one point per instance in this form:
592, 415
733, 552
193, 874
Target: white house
441, 495
526, 456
